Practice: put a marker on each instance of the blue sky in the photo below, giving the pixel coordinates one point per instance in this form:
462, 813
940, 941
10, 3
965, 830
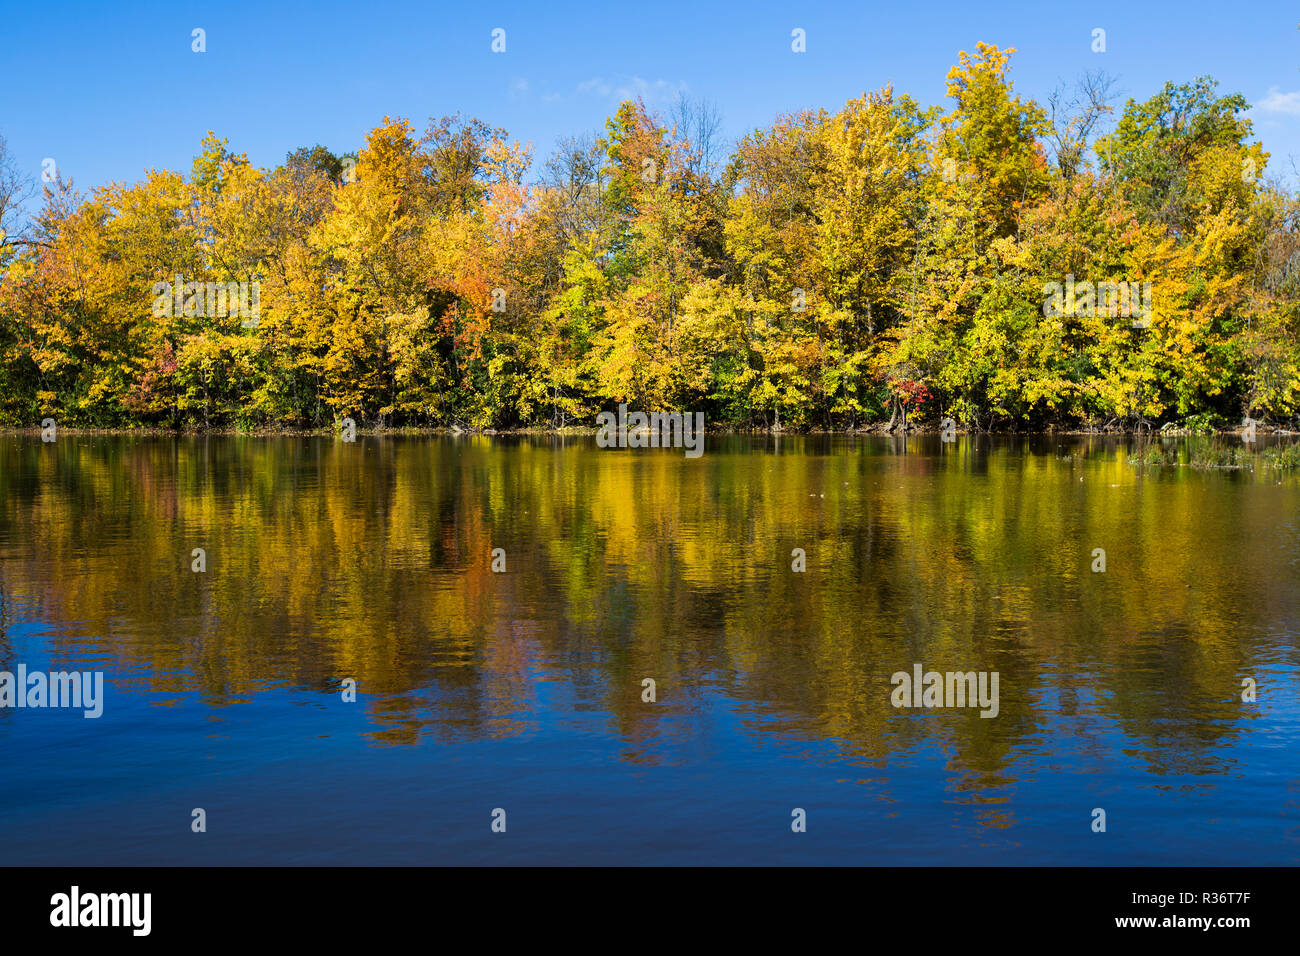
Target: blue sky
108, 90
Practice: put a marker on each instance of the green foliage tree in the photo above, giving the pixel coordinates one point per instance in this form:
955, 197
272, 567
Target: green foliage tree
869, 264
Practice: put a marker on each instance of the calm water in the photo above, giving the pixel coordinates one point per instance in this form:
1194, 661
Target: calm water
522, 690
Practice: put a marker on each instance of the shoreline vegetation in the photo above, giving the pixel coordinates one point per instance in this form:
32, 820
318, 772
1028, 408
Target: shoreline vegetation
1065, 267
878, 430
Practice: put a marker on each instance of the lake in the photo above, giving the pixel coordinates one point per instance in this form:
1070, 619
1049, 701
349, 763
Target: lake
517, 697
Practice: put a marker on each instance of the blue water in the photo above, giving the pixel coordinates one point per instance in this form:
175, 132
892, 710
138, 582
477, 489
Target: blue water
477, 692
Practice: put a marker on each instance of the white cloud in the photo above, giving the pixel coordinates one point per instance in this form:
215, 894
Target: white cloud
1279, 102
630, 88
595, 85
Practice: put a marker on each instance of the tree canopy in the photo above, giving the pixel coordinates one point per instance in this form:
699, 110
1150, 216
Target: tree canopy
837, 268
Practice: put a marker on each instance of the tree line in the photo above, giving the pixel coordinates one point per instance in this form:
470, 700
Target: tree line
835, 270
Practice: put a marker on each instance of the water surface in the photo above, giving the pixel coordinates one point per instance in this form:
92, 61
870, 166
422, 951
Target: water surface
522, 690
